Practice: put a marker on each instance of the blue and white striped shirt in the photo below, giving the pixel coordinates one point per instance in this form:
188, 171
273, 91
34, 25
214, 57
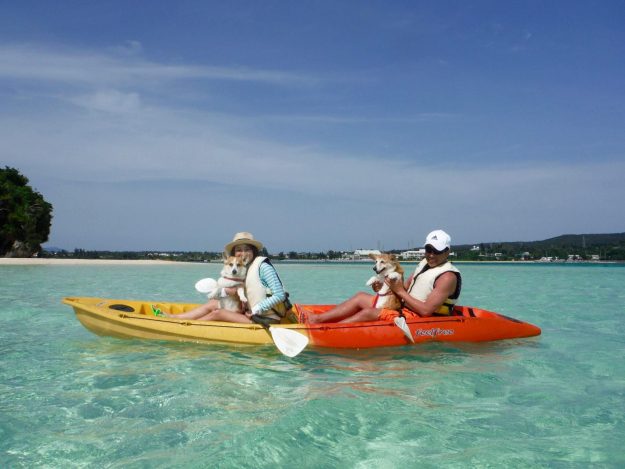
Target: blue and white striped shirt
269, 278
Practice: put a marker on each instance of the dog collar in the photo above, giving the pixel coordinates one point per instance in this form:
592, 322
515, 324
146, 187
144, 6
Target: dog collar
234, 279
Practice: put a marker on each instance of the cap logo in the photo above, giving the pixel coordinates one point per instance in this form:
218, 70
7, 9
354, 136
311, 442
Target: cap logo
435, 237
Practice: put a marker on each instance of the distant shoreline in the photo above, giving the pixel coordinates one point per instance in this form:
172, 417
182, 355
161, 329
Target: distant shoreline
148, 262
412, 261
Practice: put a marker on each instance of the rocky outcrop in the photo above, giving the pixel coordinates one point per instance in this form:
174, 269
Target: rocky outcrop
20, 249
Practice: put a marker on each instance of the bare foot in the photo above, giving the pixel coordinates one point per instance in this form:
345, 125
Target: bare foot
308, 317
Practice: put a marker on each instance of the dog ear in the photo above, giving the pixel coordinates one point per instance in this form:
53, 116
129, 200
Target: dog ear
392, 257
373, 256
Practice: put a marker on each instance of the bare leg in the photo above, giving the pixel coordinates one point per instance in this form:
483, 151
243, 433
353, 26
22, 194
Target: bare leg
225, 315
364, 315
355, 304
198, 312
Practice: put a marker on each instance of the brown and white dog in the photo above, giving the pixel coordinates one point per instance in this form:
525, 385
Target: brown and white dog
232, 276
386, 266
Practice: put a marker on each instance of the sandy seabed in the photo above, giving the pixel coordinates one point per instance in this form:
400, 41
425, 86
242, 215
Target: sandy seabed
43, 261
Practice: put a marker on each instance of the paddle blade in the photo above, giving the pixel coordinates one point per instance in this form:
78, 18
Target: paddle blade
289, 342
401, 323
206, 285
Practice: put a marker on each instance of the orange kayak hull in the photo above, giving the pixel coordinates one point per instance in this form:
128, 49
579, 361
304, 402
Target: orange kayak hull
467, 324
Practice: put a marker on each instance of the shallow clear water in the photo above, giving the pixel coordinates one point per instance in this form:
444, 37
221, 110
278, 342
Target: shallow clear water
73, 399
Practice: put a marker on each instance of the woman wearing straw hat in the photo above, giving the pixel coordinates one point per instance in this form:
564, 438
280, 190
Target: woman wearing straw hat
267, 299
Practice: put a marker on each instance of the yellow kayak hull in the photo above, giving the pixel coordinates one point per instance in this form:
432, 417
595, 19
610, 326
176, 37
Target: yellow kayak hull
134, 319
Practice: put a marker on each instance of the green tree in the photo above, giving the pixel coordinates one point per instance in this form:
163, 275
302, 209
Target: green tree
333, 254
25, 216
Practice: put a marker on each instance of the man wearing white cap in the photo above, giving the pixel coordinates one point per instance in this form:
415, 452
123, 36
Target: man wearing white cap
433, 288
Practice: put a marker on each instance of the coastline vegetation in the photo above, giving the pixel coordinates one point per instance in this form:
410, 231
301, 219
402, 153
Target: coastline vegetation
571, 248
25, 216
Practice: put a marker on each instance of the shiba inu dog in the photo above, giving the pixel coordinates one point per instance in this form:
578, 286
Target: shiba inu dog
386, 266
232, 276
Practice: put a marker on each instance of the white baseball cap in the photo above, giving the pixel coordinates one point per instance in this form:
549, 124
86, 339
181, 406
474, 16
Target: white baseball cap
439, 240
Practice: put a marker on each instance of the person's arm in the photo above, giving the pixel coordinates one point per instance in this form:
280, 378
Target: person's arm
408, 282
444, 287
269, 276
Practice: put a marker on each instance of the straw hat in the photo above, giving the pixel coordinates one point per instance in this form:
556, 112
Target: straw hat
242, 238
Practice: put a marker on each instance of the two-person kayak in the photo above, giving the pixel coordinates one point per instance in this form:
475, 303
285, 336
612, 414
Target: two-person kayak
135, 319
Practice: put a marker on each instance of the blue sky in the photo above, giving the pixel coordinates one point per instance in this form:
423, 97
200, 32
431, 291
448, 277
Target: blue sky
316, 125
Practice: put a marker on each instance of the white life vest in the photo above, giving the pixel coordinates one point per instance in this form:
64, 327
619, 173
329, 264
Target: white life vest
423, 281
257, 292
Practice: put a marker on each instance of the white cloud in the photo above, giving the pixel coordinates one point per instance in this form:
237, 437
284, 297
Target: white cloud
128, 140
80, 68
156, 144
102, 130
109, 101
128, 48
355, 119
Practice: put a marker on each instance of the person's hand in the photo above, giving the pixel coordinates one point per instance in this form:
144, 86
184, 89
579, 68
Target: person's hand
230, 291
396, 285
376, 286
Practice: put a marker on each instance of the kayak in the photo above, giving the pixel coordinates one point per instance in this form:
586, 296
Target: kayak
135, 319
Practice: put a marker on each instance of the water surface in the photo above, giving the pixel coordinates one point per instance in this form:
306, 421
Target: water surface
73, 399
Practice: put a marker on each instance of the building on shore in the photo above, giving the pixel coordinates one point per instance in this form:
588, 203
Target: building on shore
415, 255
359, 254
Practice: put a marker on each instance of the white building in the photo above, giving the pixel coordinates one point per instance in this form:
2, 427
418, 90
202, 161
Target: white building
360, 254
412, 255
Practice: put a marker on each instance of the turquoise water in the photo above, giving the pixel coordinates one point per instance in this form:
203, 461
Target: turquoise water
73, 399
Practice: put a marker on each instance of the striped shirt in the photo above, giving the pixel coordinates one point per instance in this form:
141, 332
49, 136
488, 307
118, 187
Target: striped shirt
269, 278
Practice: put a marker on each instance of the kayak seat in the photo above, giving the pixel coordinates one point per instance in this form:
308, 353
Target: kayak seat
462, 311
290, 317
124, 308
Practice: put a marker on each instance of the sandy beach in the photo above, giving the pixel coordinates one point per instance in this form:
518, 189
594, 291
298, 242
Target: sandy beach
43, 261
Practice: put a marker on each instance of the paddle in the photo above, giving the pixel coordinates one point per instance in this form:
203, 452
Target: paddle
289, 342
206, 285
400, 321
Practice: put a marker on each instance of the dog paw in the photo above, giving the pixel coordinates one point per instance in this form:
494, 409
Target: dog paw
371, 281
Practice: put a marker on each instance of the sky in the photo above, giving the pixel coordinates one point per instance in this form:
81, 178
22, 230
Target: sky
342, 125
